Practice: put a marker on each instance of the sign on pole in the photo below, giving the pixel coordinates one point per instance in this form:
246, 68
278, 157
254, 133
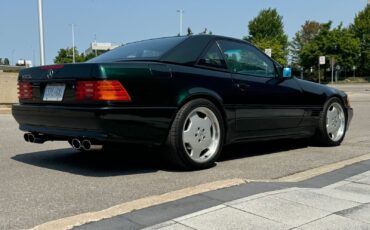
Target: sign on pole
322, 60
268, 52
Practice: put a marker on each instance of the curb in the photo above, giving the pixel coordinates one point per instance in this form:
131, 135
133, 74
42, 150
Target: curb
210, 194
162, 213
5, 110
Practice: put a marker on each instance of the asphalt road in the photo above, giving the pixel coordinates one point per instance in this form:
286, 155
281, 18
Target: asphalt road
39, 183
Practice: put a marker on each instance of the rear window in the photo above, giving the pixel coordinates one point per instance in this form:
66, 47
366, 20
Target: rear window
143, 50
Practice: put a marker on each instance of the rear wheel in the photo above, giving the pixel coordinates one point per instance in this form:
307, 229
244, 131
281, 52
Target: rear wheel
196, 136
332, 123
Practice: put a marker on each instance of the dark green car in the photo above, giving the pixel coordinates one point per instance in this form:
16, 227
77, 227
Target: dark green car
191, 95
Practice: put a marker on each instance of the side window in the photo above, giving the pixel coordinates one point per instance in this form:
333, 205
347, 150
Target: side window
245, 59
213, 58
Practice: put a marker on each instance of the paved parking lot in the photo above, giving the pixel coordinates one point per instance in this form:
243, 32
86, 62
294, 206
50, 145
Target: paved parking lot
40, 183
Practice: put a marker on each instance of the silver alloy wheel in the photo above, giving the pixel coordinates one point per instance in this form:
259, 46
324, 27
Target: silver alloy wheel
201, 134
335, 121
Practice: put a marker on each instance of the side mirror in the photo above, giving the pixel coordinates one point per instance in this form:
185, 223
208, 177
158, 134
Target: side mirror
287, 72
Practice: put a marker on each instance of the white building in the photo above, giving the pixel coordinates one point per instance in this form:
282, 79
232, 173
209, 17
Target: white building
95, 47
23, 62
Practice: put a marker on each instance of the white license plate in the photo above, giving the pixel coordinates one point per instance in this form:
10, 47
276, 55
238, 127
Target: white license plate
54, 92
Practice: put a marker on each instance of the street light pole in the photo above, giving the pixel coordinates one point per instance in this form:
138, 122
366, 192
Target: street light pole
13, 50
181, 13
73, 43
332, 70
41, 34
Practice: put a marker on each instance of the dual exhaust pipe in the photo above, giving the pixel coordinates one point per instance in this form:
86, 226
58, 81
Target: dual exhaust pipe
85, 145
80, 144
32, 138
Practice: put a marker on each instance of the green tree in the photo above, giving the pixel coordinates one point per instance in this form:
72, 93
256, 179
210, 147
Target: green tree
66, 56
361, 29
1, 61
6, 61
309, 30
268, 29
94, 54
338, 43
278, 51
90, 56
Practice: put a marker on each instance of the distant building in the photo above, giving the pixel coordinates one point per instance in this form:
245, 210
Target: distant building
98, 47
23, 62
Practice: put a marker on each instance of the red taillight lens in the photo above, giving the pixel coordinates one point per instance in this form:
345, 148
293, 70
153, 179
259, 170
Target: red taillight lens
24, 90
101, 91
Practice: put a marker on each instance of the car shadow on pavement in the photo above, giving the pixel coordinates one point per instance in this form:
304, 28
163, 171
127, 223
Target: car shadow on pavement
94, 163
138, 160
242, 150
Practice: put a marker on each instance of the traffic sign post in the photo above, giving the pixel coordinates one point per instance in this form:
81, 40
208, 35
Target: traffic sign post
322, 61
332, 69
268, 52
354, 71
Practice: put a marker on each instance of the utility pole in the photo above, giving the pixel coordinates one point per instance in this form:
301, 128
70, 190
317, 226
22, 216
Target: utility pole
322, 60
73, 43
96, 51
33, 56
13, 50
332, 70
181, 13
41, 34
319, 74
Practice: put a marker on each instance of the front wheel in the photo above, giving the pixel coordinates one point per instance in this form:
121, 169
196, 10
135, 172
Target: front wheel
196, 136
332, 123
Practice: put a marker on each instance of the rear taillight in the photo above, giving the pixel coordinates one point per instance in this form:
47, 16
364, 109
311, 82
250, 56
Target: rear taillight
24, 90
101, 91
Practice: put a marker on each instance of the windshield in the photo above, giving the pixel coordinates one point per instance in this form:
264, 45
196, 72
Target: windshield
144, 50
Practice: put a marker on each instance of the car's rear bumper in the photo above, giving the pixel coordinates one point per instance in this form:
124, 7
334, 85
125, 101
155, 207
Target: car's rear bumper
116, 124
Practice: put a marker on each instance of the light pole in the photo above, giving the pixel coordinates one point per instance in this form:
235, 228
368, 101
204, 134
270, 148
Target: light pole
181, 13
332, 70
41, 34
73, 43
96, 51
13, 50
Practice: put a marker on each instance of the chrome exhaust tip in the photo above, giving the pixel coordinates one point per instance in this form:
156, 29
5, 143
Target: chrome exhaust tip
86, 145
76, 143
26, 137
31, 138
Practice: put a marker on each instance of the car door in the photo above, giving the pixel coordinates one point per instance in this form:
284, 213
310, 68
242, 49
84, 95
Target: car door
263, 99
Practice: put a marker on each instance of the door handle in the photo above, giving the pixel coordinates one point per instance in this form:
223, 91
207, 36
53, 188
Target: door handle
242, 86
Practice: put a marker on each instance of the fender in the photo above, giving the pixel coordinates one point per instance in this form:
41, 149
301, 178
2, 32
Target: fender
228, 115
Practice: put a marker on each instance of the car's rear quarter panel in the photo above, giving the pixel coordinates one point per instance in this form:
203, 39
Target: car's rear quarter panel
193, 82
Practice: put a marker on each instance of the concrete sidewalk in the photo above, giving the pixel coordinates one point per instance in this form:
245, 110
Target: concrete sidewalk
343, 205
335, 200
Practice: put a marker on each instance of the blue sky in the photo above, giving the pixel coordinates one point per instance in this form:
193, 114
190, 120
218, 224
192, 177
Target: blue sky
123, 21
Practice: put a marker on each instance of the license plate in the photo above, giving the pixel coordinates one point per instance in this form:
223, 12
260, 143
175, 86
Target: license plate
54, 92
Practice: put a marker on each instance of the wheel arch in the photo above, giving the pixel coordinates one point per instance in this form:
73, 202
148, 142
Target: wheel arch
341, 99
203, 93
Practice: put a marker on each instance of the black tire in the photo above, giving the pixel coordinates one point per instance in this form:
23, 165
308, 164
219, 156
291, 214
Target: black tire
175, 151
321, 136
